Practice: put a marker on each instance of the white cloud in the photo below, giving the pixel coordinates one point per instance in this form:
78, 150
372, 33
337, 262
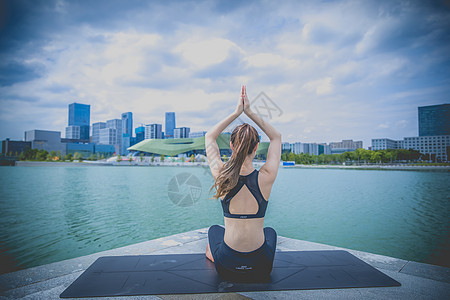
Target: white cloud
203, 53
322, 86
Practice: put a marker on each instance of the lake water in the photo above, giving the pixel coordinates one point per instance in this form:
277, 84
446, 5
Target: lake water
50, 214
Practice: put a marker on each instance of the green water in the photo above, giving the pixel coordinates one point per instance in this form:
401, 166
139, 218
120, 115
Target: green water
50, 214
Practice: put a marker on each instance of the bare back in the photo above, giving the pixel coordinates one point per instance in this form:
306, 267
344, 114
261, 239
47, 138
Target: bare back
246, 235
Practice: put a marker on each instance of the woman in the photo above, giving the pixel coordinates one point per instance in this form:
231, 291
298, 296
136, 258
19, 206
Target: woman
244, 250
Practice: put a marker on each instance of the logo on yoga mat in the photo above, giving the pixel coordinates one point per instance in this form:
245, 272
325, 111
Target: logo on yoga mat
184, 189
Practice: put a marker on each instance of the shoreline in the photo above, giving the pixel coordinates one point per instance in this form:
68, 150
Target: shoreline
205, 164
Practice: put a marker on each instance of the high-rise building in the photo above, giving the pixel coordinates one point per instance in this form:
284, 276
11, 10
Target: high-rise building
127, 131
79, 115
117, 125
153, 131
96, 131
108, 136
170, 125
73, 132
181, 132
434, 120
140, 134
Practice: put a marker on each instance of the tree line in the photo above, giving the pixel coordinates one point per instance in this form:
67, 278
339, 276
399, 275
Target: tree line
44, 155
359, 156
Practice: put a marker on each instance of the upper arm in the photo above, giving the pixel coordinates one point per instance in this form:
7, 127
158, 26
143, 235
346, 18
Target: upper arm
213, 155
270, 168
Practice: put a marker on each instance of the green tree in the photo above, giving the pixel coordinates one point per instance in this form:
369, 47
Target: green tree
42, 155
375, 156
59, 155
141, 155
22, 156
119, 158
192, 158
92, 156
162, 157
53, 153
130, 159
153, 157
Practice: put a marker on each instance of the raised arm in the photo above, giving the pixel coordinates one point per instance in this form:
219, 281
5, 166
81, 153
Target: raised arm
270, 168
212, 149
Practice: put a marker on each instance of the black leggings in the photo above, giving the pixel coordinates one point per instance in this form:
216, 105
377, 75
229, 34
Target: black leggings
232, 265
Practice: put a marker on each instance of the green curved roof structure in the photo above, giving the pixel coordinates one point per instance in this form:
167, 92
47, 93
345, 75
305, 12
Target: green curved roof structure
171, 147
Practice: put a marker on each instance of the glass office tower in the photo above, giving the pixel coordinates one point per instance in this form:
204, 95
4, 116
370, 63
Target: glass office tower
170, 125
127, 131
80, 115
434, 120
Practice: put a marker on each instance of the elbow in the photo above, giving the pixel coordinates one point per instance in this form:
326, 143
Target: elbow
276, 136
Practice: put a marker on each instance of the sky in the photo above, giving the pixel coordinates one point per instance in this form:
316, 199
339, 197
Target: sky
319, 71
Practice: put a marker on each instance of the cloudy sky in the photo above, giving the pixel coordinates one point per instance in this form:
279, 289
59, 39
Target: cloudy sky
333, 70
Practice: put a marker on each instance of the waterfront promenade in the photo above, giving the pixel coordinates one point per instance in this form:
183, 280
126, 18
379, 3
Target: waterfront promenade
256, 164
418, 280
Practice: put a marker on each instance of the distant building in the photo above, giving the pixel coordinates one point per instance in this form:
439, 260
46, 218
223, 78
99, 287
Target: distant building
127, 131
197, 134
181, 132
79, 115
154, 131
73, 132
140, 134
346, 144
307, 148
96, 131
105, 150
432, 145
384, 143
108, 136
117, 125
12, 147
45, 140
170, 125
434, 120
84, 149
324, 149
438, 146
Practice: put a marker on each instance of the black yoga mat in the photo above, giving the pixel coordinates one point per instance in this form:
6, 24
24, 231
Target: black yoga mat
193, 273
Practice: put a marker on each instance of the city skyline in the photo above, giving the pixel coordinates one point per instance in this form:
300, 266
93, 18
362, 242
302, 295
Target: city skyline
340, 70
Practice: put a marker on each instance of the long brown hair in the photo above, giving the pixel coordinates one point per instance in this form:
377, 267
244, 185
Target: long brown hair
244, 139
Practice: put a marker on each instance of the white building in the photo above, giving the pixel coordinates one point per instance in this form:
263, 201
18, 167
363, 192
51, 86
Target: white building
197, 134
73, 132
117, 125
383, 144
108, 136
181, 132
346, 144
153, 131
96, 131
438, 145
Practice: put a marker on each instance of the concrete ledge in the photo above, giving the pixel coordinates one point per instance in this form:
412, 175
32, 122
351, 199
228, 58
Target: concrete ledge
419, 281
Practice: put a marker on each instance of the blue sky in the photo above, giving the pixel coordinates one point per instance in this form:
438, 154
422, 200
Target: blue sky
336, 69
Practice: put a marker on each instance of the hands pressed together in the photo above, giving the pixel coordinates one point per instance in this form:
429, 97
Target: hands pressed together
243, 103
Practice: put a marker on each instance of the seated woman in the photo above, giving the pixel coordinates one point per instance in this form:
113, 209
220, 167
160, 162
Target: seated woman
244, 250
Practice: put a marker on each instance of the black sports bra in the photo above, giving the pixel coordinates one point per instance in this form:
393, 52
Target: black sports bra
251, 181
